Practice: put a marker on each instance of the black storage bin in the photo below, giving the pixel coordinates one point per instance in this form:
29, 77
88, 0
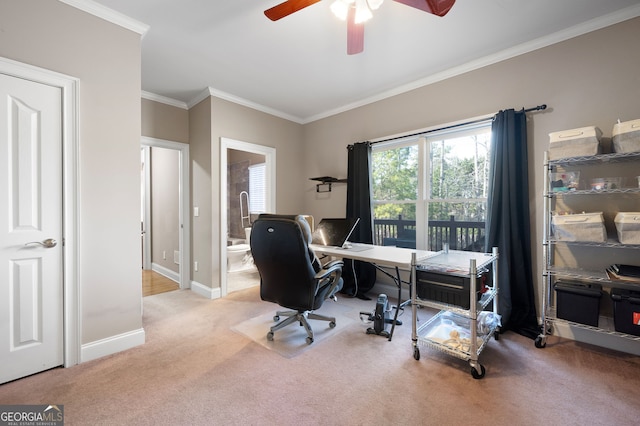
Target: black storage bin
578, 302
626, 310
447, 287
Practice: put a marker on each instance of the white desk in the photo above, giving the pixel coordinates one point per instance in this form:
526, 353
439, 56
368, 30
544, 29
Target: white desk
395, 257
382, 256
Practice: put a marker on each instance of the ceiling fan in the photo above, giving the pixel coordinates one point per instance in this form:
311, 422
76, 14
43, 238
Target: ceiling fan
356, 12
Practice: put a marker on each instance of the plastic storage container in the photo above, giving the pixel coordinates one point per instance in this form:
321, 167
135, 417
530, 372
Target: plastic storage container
565, 181
450, 288
626, 311
626, 136
578, 302
587, 227
583, 141
628, 227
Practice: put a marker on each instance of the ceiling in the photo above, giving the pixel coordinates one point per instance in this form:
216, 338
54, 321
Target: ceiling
297, 68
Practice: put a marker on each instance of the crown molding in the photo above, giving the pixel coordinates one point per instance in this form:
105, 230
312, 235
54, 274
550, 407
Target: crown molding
110, 15
164, 100
210, 91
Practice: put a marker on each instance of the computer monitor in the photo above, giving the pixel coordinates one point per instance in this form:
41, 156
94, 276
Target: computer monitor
334, 232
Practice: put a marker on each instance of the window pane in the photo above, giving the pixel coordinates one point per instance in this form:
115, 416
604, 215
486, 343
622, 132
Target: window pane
462, 211
460, 166
462, 225
257, 188
395, 225
395, 174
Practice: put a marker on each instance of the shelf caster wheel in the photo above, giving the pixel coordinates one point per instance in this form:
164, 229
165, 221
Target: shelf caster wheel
270, 336
332, 324
276, 318
496, 334
540, 342
309, 340
416, 353
476, 374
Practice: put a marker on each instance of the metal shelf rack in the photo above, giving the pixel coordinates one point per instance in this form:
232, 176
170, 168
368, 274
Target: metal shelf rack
552, 272
454, 262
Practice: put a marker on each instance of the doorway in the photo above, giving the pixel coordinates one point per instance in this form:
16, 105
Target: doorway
236, 158
165, 238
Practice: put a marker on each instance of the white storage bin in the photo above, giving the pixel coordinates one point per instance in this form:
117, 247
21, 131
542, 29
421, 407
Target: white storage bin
628, 227
626, 136
587, 227
579, 142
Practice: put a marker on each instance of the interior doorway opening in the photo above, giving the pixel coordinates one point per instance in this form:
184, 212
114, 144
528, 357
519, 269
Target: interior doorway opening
247, 176
165, 226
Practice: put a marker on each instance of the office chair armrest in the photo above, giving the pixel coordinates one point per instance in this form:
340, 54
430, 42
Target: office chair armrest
330, 274
332, 263
330, 268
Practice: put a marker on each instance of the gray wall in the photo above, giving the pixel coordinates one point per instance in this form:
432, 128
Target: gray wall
106, 59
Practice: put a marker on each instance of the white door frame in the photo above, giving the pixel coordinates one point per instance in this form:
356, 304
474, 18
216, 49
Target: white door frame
270, 175
184, 215
70, 88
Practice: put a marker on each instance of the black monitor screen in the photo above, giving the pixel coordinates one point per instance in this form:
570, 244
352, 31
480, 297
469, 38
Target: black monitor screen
334, 232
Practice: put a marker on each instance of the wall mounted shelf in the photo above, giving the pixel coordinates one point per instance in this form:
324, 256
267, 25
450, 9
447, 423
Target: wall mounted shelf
325, 183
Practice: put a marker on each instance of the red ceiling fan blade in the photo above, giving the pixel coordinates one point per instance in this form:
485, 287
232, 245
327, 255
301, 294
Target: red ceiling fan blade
436, 7
355, 33
287, 8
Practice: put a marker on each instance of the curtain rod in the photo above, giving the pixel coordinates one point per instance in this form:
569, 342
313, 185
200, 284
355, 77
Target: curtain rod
536, 108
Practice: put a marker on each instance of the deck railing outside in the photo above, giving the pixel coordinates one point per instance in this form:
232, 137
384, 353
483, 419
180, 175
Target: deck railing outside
461, 235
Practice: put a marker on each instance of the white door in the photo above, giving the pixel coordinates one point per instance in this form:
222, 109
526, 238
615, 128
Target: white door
31, 284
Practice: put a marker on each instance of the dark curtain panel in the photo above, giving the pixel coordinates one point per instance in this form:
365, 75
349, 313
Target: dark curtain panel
508, 226
359, 277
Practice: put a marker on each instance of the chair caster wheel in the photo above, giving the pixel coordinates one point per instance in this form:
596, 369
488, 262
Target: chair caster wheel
276, 318
309, 340
270, 336
332, 324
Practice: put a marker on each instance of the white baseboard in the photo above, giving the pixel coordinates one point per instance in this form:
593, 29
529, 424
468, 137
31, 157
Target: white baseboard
204, 291
112, 345
173, 276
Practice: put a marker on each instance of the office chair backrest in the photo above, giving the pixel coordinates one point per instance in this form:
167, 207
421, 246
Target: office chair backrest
281, 253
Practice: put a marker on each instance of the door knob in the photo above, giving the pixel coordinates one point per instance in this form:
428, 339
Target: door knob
48, 243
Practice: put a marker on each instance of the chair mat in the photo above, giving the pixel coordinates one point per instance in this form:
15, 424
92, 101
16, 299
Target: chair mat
290, 341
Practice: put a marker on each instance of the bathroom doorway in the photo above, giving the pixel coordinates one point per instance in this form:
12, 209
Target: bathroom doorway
248, 186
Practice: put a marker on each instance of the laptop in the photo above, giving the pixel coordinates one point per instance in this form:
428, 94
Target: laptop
334, 232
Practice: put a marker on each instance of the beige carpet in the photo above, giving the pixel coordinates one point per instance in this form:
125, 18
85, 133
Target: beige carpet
195, 370
290, 341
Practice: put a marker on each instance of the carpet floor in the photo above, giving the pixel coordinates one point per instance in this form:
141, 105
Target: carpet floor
197, 369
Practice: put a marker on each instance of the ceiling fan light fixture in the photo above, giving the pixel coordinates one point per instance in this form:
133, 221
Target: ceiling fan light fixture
363, 13
340, 9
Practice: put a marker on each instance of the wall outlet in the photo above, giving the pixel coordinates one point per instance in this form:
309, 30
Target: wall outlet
164, 255
195, 266
176, 257
196, 211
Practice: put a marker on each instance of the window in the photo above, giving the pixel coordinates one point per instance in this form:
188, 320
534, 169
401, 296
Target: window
257, 188
432, 188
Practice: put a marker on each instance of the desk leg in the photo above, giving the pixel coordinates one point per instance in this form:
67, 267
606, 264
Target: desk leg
399, 305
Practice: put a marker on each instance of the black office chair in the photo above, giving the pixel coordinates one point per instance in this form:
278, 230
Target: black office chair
290, 273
